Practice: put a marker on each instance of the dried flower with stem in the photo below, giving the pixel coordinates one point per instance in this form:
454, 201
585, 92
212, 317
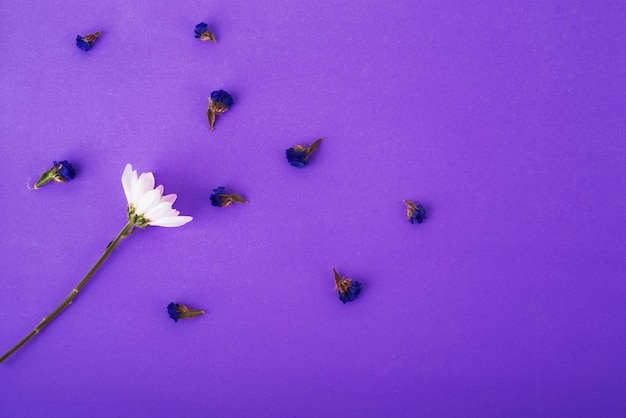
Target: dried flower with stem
219, 102
61, 172
86, 42
146, 207
298, 156
178, 311
203, 33
348, 289
222, 199
415, 213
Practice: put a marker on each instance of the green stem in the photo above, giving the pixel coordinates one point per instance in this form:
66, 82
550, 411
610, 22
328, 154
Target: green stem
45, 178
128, 229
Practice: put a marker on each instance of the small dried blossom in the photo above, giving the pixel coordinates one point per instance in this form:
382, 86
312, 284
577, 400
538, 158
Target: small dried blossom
61, 172
348, 289
178, 311
221, 199
203, 33
415, 213
298, 156
219, 102
86, 42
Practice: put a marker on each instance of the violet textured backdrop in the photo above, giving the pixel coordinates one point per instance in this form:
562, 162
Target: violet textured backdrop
506, 120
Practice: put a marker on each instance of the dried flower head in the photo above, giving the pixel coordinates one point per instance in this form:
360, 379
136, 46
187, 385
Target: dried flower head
203, 33
348, 289
415, 213
298, 156
219, 102
86, 42
221, 199
178, 311
61, 172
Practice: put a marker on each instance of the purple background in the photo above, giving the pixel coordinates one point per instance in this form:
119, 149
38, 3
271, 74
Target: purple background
505, 121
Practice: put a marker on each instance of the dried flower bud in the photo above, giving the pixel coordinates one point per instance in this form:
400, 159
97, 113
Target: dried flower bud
61, 172
348, 289
221, 199
415, 213
178, 311
219, 102
86, 42
298, 156
203, 33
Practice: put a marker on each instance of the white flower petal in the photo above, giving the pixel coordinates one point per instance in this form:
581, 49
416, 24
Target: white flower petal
159, 210
148, 181
148, 201
144, 185
127, 182
172, 221
172, 213
133, 187
169, 198
137, 190
141, 184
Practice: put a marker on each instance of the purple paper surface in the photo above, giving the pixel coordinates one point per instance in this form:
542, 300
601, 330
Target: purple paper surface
506, 120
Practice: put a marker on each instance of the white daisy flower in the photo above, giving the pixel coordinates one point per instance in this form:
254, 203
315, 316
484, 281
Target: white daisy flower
146, 206
146, 203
